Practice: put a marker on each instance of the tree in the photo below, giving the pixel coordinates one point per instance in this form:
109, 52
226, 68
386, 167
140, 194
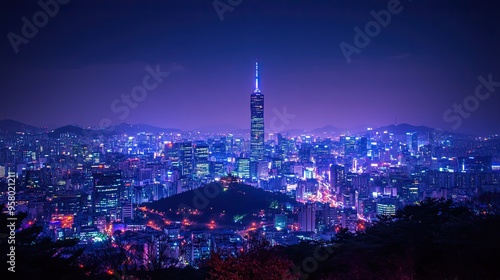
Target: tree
433, 239
259, 260
36, 255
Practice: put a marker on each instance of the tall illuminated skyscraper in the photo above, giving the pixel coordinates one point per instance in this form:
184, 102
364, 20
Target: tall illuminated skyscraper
256, 125
106, 193
201, 162
186, 158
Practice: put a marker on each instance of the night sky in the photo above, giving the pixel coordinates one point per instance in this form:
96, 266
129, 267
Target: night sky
427, 58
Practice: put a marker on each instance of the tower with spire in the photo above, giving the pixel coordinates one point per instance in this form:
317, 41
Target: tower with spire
256, 125
256, 77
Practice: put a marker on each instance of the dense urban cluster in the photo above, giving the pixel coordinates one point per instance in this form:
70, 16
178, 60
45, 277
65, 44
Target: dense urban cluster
146, 199
100, 190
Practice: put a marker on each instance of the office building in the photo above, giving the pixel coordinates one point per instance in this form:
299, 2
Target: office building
256, 125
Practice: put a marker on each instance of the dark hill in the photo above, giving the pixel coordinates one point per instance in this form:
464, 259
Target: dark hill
113, 130
12, 126
328, 129
75, 130
212, 200
403, 128
137, 128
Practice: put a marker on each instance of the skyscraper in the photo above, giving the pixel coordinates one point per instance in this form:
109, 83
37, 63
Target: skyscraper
243, 168
106, 193
201, 153
256, 125
307, 217
337, 177
186, 158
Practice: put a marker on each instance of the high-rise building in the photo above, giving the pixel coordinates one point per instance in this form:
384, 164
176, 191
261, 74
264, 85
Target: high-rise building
307, 217
201, 153
172, 153
243, 168
386, 207
337, 177
67, 202
106, 193
263, 170
218, 169
256, 125
475, 164
412, 141
186, 158
219, 151
127, 210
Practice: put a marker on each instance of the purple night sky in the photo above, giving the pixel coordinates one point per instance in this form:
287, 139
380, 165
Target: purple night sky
89, 53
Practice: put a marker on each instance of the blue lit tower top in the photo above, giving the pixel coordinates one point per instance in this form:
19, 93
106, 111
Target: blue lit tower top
256, 77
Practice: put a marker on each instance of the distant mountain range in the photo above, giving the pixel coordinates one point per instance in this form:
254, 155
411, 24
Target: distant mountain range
403, 129
399, 129
117, 129
12, 126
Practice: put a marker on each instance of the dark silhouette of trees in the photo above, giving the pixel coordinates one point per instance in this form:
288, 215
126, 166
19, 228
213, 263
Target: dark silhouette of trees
112, 258
434, 239
259, 260
36, 255
127, 256
486, 203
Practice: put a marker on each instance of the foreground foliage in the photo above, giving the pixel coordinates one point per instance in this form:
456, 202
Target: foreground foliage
434, 239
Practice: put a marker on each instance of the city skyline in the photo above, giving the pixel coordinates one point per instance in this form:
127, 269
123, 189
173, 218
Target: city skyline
425, 60
238, 139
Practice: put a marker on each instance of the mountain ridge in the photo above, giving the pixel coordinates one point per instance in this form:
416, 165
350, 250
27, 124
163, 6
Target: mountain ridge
13, 126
